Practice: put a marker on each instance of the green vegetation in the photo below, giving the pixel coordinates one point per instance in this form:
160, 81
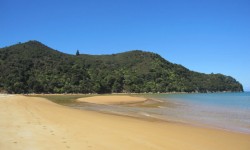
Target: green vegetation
32, 67
77, 53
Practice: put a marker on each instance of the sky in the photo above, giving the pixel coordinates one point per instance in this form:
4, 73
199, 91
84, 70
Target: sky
209, 36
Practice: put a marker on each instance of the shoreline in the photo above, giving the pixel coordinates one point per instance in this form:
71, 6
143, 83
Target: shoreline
154, 118
31, 122
135, 109
145, 101
145, 115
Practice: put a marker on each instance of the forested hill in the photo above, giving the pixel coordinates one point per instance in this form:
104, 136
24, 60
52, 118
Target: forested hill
32, 67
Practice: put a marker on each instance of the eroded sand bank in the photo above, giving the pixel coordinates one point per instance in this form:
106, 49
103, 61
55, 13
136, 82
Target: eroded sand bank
37, 124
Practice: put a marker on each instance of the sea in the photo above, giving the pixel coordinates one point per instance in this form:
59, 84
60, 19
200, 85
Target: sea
226, 111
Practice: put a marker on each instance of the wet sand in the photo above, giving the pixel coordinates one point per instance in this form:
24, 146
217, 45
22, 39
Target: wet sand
36, 123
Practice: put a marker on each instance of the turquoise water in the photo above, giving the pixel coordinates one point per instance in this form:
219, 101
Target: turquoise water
234, 100
227, 111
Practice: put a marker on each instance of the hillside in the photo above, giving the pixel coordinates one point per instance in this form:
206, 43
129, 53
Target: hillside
32, 67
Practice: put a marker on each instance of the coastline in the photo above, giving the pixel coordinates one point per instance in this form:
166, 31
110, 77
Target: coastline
31, 123
152, 108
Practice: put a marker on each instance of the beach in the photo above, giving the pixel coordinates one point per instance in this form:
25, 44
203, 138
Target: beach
33, 123
113, 99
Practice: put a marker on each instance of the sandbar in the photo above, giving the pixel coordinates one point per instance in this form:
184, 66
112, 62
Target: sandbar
113, 99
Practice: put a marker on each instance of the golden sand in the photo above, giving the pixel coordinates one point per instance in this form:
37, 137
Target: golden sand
112, 99
38, 124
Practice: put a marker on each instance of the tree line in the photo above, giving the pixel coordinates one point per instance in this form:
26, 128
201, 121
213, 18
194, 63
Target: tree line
32, 67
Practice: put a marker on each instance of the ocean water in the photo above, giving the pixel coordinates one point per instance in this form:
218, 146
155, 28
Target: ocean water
227, 111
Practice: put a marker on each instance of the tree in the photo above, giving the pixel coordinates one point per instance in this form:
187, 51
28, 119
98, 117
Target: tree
77, 53
35, 68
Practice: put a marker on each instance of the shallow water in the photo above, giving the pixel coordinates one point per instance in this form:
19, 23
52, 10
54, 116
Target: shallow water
228, 111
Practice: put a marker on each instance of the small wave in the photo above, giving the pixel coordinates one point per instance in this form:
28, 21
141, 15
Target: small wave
145, 114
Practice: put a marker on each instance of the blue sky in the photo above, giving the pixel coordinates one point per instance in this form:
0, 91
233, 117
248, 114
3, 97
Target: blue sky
203, 35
